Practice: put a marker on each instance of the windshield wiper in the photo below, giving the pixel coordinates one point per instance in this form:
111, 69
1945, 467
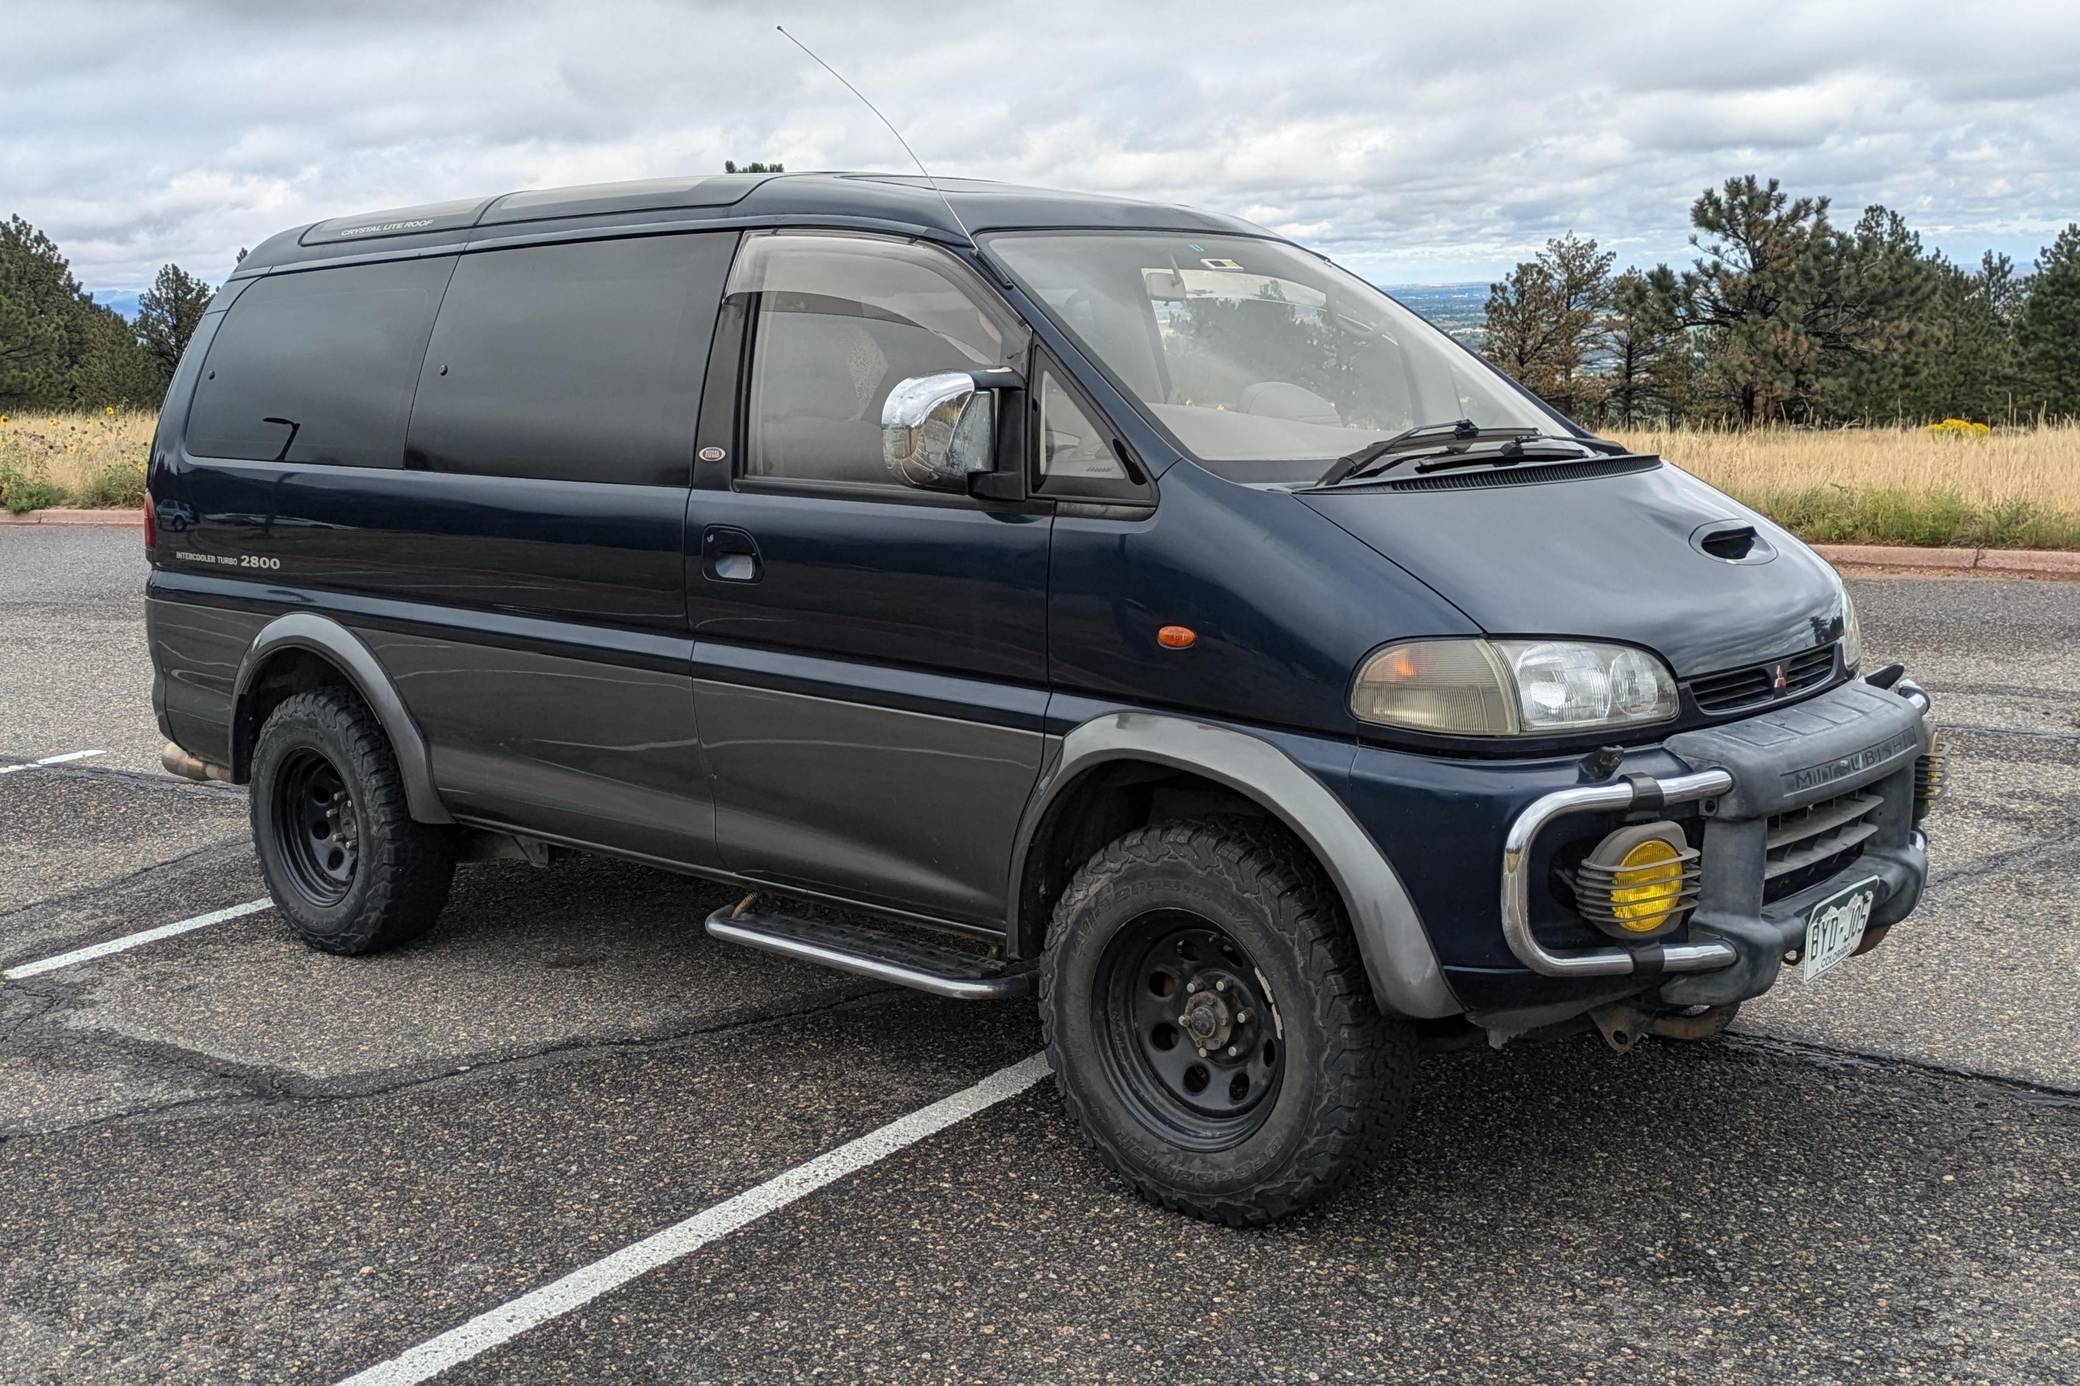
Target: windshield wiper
1421, 438
1510, 453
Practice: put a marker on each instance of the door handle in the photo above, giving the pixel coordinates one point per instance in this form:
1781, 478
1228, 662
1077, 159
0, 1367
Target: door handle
729, 554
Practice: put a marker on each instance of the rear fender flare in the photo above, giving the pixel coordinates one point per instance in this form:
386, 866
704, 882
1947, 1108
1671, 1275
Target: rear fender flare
1399, 961
341, 648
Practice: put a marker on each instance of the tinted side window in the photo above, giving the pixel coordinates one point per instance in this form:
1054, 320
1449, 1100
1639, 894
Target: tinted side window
318, 366
840, 320
576, 362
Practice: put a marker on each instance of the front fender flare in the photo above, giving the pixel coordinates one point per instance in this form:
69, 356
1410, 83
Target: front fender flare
340, 647
1406, 980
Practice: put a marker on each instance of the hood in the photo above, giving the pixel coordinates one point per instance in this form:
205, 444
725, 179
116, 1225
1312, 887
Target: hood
1606, 557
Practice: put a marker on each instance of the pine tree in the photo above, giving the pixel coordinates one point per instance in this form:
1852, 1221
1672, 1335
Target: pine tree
1646, 348
2047, 329
37, 295
168, 314
1542, 323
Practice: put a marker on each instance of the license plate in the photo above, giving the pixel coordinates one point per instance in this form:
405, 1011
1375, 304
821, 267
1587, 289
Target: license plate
1835, 927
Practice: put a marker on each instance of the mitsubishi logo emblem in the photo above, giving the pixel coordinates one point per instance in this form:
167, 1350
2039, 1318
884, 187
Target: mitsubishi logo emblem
1778, 682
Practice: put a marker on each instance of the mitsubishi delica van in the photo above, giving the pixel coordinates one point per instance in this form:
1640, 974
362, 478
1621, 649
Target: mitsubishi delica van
1007, 592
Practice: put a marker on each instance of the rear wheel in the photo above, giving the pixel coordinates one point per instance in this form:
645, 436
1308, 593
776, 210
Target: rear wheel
1211, 1026
349, 869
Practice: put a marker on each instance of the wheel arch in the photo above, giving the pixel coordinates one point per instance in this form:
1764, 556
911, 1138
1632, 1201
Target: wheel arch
304, 650
1399, 961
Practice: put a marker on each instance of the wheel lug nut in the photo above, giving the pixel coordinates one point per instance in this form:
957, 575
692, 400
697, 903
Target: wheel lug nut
1221, 985
1192, 985
1233, 1050
1244, 1017
1202, 1053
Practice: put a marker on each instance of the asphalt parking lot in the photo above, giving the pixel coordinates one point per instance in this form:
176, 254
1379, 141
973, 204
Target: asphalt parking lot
224, 1157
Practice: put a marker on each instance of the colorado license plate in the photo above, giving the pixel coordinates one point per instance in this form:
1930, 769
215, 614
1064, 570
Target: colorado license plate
1835, 927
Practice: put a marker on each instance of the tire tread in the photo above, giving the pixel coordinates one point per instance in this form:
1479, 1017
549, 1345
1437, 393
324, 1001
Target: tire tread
406, 867
1368, 1062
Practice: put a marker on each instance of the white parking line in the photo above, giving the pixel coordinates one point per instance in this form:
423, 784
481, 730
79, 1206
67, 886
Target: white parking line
582, 1286
51, 760
129, 941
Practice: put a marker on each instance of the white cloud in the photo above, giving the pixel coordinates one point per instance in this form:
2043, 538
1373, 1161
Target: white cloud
1413, 142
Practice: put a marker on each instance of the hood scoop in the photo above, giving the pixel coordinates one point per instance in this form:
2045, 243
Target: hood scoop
1522, 474
1731, 541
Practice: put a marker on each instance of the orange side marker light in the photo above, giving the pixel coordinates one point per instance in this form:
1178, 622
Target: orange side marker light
1176, 637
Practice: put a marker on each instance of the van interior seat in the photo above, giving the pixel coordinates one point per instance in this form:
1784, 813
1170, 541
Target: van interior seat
821, 381
818, 401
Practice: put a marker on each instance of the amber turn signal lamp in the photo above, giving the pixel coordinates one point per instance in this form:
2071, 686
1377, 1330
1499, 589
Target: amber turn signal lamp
1176, 637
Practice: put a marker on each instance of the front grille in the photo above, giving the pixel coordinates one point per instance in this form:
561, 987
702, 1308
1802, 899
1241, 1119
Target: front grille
1758, 686
1810, 844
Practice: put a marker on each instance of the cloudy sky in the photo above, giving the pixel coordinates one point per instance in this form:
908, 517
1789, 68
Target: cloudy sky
1415, 142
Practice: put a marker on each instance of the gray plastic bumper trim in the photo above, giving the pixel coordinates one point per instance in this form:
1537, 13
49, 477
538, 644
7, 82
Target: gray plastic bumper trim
1399, 961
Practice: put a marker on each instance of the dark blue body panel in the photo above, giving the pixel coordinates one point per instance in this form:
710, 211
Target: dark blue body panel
1284, 606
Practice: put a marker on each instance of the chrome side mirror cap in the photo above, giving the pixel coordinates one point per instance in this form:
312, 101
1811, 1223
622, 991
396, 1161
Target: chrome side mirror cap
937, 430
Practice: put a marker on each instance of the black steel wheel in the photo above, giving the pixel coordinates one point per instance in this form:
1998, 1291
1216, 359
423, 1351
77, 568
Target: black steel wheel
1190, 1031
1210, 1024
315, 823
348, 867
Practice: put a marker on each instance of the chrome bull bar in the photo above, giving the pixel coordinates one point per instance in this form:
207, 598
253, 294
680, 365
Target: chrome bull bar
1637, 791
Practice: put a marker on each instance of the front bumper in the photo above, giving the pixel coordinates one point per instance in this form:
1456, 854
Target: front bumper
1857, 737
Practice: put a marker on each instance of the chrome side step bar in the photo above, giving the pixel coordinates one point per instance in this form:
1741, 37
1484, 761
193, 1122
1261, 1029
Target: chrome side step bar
900, 960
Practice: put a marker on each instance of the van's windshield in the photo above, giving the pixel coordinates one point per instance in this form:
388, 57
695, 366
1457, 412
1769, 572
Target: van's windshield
1261, 360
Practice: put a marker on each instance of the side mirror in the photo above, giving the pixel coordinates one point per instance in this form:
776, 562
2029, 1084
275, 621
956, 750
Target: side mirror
938, 430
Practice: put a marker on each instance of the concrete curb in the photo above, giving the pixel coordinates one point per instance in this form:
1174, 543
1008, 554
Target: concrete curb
65, 515
2051, 563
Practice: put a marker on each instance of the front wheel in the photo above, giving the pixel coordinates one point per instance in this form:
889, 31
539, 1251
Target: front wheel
349, 869
1211, 1026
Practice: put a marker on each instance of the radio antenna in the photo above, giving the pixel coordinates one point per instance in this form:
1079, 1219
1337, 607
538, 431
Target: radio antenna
891, 130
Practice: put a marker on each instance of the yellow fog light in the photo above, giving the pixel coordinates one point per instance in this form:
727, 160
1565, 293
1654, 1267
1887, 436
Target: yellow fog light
1639, 881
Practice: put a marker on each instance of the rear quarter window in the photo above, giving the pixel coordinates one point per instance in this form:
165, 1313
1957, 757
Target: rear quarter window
572, 362
318, 366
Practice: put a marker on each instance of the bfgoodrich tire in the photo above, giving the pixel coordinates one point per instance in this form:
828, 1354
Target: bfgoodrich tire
1210, 1024
349, 869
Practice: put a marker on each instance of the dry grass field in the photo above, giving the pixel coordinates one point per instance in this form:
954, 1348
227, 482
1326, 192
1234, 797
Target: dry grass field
91, 459
2012, 488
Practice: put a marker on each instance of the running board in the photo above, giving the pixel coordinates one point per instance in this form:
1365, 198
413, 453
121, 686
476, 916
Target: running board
871, 953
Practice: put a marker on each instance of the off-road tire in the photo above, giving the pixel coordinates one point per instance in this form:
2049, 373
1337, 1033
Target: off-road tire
402, 868
1348, 1071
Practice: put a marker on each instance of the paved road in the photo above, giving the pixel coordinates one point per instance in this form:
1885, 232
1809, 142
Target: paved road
224, 1157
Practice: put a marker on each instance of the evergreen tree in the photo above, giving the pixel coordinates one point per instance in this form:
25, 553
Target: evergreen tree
2047, 329
1761, 291
37, 301
1543, 322
1646, 348
168, 314
58, 348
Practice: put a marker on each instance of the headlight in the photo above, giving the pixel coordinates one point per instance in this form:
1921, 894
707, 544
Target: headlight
1852, 634
1511, 687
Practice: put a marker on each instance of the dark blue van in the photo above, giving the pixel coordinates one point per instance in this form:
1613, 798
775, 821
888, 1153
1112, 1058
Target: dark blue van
1013, 590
